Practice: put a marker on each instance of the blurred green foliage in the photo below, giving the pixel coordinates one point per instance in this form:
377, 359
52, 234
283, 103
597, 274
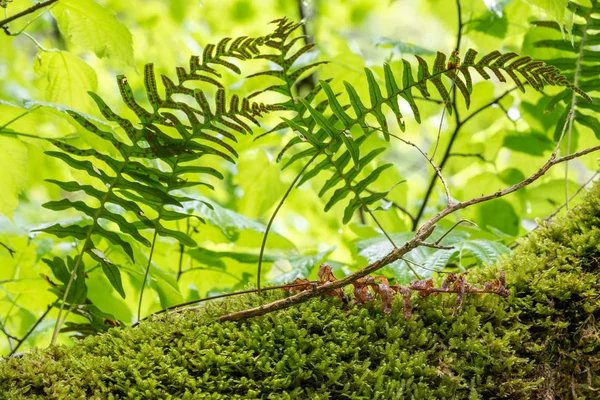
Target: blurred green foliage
77, 46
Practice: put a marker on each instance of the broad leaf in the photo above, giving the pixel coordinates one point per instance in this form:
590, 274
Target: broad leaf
91, 26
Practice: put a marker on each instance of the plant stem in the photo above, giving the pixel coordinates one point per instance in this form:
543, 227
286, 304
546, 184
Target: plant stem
147, 270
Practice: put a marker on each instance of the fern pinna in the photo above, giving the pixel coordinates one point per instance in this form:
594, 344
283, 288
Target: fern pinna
579, 64
146, 194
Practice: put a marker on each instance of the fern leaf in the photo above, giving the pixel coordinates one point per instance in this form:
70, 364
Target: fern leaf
536, 73
138, 187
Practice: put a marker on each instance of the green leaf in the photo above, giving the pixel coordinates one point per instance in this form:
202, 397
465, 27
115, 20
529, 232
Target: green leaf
499, 214
59, 269
111, 271
486, 252
91, 26
530, 143
228, 221
214, 259
66, 79
181, 237
322, 121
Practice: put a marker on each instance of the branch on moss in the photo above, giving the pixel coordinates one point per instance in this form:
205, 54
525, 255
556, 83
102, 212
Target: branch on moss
27, 11
421, 235
179, 307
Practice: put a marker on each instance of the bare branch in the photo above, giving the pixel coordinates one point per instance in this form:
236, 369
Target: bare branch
10, 251
18, 15
179, 307
30, 331
453, 227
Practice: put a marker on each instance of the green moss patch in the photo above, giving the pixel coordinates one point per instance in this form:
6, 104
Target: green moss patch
541, 342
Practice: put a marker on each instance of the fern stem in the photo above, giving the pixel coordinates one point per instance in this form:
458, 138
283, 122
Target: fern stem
272, 218
86, 242
147, 271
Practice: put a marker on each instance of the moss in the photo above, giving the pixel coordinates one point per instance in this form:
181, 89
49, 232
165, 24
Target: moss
541, 342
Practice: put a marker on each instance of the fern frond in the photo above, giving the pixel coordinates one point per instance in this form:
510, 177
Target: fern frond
580, 64
327, 134
179, 133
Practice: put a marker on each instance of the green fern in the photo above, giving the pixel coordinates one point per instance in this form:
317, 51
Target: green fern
580, 65
326, 135
145, 193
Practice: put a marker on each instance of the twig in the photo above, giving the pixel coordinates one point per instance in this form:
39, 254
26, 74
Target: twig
448, 152
30, 331
178, 307
421, 235
395, 205
10, 251
566, 203
27, 11
576, 73
179, 265
476, 155
406, 260
429, 160
453, 227
435, 245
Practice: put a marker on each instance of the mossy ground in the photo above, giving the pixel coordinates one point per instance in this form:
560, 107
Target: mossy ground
541, 342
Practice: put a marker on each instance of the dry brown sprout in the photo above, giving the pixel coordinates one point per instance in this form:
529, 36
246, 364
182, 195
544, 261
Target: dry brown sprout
454, 283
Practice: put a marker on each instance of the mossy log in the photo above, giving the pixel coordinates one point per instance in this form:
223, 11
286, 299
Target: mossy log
543, 341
